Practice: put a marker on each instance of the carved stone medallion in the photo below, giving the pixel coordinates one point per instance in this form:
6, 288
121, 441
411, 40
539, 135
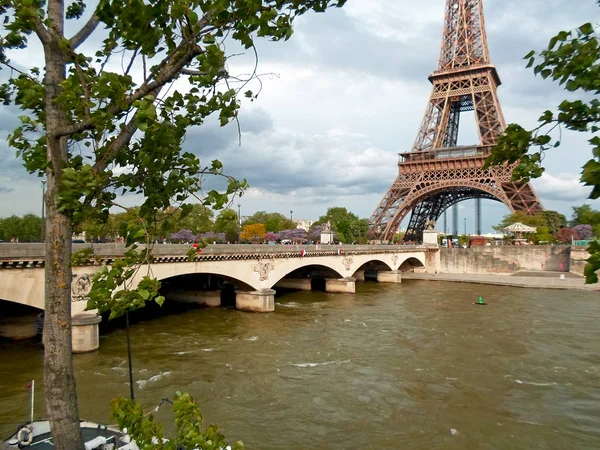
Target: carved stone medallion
81, 287
347, 261
263, 270
395, 259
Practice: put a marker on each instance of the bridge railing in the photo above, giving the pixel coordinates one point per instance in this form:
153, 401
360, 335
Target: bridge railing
37, 250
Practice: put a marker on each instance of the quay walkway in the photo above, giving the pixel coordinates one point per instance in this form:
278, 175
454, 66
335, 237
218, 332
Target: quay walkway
541, 280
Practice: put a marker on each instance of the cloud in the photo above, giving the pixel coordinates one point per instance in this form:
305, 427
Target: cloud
6, 189
348, 92
561, 188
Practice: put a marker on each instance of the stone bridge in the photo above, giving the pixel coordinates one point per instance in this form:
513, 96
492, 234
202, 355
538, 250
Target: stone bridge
252, 272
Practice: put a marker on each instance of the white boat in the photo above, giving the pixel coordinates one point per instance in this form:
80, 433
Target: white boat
96, 437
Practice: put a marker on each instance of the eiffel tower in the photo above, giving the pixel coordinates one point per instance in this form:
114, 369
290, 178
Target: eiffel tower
437, 173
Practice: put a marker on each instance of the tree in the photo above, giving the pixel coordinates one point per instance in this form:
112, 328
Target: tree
274, 222
297, 235
573, 59
27, 228
566, 235
537, 220
225, 217
198, 220
555, 221
585, 214
585, 231
254, 233
341, 222
271, 237
183, 236
95, 133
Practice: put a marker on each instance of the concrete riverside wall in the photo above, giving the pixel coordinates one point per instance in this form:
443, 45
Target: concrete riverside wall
505, 259
578, 257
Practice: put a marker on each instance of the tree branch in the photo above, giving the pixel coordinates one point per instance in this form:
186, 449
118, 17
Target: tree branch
116, 145
85, 31
42, 32
169, 71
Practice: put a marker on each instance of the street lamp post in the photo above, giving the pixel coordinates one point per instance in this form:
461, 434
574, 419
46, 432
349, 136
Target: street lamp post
465, 226
240, 213
291, 215
43, 228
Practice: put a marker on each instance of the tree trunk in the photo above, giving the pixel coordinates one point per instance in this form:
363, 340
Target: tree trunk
59, 380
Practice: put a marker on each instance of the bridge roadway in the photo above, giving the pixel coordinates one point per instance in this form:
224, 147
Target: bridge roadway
255, 270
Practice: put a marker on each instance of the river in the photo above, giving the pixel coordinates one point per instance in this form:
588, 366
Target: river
408, 366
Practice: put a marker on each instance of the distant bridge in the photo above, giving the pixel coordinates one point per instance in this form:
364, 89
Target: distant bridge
254, 270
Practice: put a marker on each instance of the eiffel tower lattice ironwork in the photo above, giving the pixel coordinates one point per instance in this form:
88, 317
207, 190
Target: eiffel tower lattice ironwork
437, 173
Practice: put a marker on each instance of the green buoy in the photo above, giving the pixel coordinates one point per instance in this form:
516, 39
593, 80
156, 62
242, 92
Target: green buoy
480, 302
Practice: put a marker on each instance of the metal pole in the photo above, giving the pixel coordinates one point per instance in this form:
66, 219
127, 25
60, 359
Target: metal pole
43, 228
445, 223
465, 226
478, 216
240, 213
455, 220
32, 399
291, 215
129, 357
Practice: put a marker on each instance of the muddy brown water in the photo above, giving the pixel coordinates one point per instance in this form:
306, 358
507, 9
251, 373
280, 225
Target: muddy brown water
409, 366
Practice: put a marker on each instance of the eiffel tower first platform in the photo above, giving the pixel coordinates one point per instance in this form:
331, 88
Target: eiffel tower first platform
437, 173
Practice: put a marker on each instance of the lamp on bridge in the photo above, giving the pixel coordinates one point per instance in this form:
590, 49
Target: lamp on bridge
42, 226
291, 215
240, 213
465, 226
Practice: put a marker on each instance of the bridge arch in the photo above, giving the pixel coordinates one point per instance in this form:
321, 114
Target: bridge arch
304, 271
410, 264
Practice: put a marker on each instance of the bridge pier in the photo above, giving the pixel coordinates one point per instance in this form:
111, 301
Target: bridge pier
340, 285
389, 276
85, 334
19, 328
302, 284
359, 275
210, 299
262, 300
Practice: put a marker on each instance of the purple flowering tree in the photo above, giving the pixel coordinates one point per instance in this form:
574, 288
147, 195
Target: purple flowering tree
584, 230
297, 235
272, 237
183, 236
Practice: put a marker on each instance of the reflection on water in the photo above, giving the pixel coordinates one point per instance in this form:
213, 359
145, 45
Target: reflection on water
410, 366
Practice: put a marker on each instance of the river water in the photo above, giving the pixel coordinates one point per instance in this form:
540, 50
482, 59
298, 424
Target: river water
408, 366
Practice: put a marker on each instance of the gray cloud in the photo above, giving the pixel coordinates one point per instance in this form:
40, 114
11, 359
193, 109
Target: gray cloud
350, 94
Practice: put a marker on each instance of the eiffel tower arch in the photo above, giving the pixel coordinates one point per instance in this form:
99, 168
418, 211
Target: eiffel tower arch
437, 173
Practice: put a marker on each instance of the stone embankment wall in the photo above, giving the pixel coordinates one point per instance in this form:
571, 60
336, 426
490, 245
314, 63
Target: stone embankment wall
505, 259
578, 257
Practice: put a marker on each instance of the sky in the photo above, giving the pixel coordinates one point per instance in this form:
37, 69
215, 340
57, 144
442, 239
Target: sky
345, 95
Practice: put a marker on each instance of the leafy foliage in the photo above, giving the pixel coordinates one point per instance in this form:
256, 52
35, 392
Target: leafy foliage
584, 231
573, 59
108, 118
274, 222
555, 221
183, 236
149, 434
566, 235
346, 224
25, 229
253, 233
537, 220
